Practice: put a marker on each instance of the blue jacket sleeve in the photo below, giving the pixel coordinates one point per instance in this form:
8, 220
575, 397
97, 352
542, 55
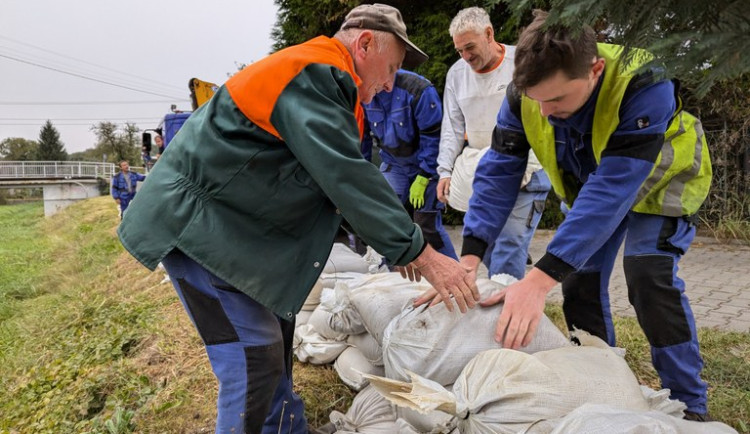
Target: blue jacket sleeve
496, 184
115, 190
428, 112
611, 190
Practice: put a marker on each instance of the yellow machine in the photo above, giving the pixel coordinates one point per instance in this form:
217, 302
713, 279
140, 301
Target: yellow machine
201, 91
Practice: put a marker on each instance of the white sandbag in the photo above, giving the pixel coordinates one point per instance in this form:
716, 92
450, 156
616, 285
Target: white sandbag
505, 390
463, 176
660, 401
302, 317
313, 298
368, 346
370, 413
351, 364
329, 280
376, 261
320, 320
436, 344
383, 296
342, 258
597, 418
310, 347
433, 422
344, 317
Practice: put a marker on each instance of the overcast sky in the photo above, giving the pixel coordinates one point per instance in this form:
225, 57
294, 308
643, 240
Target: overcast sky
83, 61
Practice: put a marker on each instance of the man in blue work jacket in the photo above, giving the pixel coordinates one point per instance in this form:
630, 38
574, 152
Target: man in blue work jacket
124, 186
629, 164
405, 125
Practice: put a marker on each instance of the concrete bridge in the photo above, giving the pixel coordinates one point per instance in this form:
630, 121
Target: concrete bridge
62, 182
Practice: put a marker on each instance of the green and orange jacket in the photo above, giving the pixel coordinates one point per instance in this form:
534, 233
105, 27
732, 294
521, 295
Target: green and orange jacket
255, 184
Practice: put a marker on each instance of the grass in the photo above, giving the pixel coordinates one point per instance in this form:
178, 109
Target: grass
92, 342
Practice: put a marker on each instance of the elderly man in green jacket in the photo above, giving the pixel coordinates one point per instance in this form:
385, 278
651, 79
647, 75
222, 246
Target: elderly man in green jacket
243, 207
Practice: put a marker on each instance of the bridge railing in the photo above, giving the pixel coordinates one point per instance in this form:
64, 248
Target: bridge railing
55, 170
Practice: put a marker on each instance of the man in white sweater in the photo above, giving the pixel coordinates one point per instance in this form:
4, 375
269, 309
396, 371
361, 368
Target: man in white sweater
474, 90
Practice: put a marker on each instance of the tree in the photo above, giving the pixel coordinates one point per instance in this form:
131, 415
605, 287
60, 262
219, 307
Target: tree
117, 143
50, 147
18, 149
700, 42
427, 23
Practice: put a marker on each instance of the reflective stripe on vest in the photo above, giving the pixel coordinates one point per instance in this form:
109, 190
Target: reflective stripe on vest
680, 180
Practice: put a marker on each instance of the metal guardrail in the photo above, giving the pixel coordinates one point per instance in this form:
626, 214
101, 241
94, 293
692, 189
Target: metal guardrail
55, 170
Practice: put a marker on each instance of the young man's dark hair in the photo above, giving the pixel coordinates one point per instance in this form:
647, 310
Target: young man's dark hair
542, 51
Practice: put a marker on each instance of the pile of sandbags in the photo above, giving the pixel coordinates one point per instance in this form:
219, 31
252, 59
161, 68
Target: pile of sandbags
571, 389
437, 344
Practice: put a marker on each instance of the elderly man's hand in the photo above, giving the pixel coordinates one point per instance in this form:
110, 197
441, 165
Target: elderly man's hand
431, 296
449, 278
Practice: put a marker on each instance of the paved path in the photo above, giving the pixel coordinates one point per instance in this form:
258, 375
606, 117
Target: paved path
717, 277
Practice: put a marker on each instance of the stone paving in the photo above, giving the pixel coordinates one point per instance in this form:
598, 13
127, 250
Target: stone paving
716, 275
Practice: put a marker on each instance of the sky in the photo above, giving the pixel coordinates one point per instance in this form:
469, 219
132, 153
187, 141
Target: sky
80, 62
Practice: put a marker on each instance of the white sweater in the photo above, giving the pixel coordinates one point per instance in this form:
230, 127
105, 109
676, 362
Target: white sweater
471, 102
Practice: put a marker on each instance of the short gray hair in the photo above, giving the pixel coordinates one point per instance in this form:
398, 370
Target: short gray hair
347, 36
473, 19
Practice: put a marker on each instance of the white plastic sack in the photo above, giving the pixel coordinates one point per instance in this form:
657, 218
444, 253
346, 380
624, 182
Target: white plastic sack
342, 258
368, 346
344, 317
463, 176
597, 418
370, 413
313, 298
436, 344
329, 280
434, 422
382, 297
310, 347
508, 391
320, 320
302, 317
376, 261
351, 364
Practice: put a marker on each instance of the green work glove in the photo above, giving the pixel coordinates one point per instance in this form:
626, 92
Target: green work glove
416, 191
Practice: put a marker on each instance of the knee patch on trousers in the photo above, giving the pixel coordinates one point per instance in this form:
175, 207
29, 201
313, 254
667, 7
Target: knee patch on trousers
582, 304
426, 221
657, 302
208, 314
265, 364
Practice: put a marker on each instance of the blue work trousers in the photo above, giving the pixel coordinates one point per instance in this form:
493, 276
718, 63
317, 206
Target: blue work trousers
653, 248
508, 254
249, 348
125, 199
429, 217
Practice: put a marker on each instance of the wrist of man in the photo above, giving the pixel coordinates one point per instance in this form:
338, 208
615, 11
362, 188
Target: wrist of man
554, 267
423, 258
473, 246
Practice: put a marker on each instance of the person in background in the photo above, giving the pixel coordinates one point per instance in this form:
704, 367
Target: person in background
159, 142
256, 186
124, 186
629, 164
405, 125
474, 90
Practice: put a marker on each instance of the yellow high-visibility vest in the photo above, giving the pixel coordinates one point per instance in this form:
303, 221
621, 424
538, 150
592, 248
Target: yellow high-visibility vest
680, 179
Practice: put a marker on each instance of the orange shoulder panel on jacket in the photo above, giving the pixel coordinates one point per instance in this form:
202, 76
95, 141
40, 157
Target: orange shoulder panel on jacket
256, 88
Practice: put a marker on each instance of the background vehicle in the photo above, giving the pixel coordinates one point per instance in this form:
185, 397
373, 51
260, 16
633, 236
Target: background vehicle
200, 92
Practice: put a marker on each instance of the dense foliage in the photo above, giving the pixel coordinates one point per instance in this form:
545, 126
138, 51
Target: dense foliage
710, 39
